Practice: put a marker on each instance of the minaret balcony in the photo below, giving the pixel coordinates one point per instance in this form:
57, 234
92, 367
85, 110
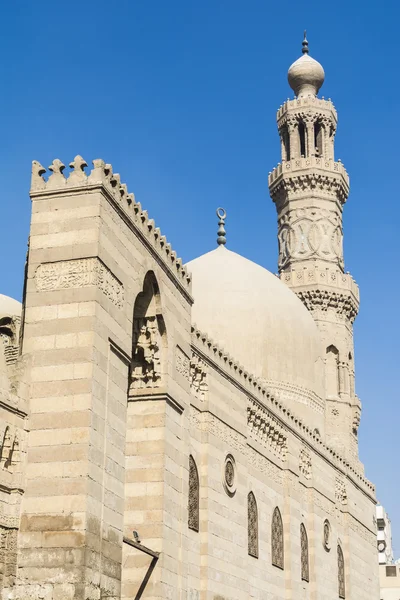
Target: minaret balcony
318, 105
301, 175
304, 164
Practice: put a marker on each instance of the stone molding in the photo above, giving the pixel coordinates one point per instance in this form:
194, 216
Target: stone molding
80, 273
222, 362
325, 289
294, 178
102, 177
287, 392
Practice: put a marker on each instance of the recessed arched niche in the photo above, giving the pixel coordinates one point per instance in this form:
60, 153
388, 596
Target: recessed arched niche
149, 338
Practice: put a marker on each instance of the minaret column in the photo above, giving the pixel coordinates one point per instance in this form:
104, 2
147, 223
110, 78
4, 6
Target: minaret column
309, 194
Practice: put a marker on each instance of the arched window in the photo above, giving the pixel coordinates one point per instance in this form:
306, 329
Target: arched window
332, 371
341, 577
302, 139
277, 550
318, 139
285, 143
194, 496
305, 567
252, 525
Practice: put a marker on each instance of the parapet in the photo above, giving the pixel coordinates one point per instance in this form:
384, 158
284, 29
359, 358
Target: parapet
304, 104
102, 177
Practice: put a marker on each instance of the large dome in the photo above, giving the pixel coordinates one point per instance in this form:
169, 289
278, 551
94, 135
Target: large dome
258, 320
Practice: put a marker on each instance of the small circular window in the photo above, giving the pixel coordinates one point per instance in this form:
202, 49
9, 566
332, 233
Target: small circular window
229, 475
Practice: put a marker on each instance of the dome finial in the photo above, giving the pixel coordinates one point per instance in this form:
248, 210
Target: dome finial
221, 239
305, 43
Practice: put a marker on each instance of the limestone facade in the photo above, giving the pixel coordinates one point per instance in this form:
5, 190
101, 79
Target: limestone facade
140, 458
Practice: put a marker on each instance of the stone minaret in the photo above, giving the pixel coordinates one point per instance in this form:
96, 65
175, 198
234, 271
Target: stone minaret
309, 190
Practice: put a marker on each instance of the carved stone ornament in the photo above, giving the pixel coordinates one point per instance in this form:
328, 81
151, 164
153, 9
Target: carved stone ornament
80, 273
312, 233
340, 491
305, 464
263, 427
8, 557
326, 540
182, 363
146, 360
9, 449
198, 378
229, 475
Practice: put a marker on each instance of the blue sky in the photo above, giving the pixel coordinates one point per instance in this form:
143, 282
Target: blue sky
181, 98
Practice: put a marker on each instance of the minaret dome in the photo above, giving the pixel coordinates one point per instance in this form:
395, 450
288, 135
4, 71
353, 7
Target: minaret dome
306, 75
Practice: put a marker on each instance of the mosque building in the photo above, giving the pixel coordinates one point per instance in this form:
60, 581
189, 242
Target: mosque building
186, 432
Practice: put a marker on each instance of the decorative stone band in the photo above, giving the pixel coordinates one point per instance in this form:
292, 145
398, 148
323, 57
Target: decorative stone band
250, 385
325, 289
305, 103
102, 177
79, 273
299, 176
288, 393
265, 429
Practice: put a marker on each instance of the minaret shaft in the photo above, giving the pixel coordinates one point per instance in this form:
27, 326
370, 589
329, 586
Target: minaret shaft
309, 190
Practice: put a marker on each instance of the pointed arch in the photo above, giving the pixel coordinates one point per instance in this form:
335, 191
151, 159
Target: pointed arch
341, 572
194, 496
277, 543
305, 565
252, 525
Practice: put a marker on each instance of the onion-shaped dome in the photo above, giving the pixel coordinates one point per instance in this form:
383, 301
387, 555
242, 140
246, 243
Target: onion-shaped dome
306, 75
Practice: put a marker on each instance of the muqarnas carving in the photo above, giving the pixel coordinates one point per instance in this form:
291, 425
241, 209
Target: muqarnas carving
149, 338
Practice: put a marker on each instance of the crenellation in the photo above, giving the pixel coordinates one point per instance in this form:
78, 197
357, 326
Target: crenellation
102, 176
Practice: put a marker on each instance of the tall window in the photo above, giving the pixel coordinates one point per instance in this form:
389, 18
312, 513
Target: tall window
277, 550
252, 525
305, 567
194, 496
341, 577
318, 139
332, 371
302, 139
